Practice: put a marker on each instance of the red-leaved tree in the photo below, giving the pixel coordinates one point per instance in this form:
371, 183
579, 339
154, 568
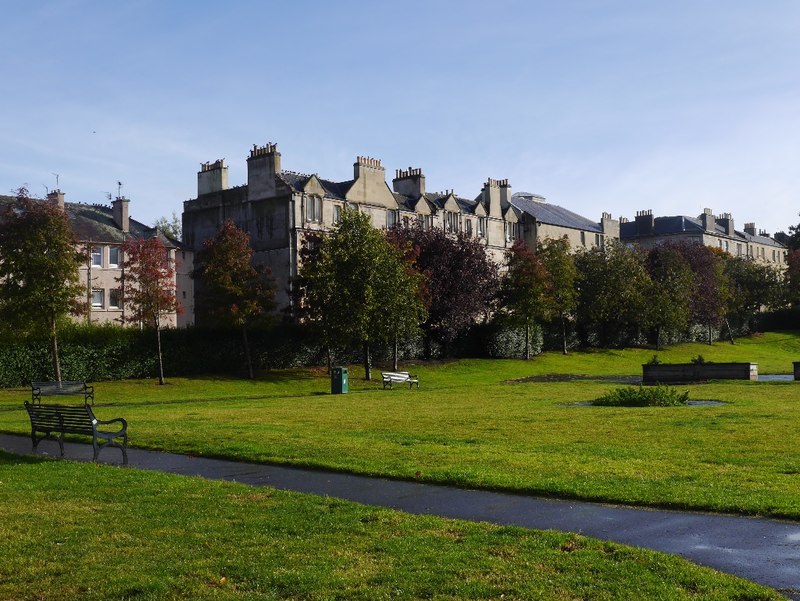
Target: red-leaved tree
148, 287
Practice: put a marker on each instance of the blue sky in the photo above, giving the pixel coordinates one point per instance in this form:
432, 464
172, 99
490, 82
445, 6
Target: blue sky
605, 105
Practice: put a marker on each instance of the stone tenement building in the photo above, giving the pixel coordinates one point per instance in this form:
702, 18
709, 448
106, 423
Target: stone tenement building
101, 230
277, 208
717, 232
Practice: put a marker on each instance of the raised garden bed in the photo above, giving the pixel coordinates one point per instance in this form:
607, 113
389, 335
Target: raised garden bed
698, 372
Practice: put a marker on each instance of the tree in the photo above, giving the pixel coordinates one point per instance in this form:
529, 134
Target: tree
561, 297
171, 227
356, 286
792, 277
754, 287
612, 287
39, 261
711, 290
233, 290
524, 288
462, 282
148, 286
668, 306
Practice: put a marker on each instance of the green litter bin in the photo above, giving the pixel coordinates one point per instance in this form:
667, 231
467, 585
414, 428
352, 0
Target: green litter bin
339, 380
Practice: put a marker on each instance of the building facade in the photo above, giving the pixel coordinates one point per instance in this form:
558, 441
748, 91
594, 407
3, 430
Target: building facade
277, 208
101, 230
714, 231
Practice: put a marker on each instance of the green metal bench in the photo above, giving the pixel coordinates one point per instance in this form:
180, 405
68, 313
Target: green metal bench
54, 421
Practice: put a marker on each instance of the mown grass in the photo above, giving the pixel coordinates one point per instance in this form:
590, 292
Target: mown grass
469, 425
83, 531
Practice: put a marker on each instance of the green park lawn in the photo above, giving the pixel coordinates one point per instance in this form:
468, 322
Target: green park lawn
92, 532
89, 531
478, 423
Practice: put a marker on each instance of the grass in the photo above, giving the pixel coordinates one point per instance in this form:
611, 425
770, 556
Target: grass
91, 532
469, 425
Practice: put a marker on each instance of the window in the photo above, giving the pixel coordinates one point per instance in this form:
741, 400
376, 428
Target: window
482, 227
597, 241
97, 298
113, 256
114, 298
773, 256
720, 243
406, 222
468, 228
314, 209
391, 219
727, 246
451, 220
738, 250
583, 238
337, 214
97, 256
426, 222
512, 231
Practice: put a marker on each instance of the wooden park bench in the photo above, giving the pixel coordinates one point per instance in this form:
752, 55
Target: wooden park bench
390, 377
63, 388
54, 421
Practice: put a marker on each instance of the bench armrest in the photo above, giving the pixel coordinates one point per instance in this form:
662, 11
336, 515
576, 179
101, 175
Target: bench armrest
121, 420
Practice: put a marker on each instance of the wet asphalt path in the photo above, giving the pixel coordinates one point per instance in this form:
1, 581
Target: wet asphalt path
765, 551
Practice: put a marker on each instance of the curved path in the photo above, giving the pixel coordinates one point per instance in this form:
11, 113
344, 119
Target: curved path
765, 551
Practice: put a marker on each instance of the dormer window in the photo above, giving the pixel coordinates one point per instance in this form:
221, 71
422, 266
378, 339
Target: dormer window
314, 209
451, 222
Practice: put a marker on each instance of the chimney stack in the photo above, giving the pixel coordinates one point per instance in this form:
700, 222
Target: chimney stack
119, 211
409, 182
645, 223
57, 198
212, 177
263, 164
750, 228
708, 221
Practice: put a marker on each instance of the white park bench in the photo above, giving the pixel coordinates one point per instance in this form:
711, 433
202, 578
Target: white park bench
390, 377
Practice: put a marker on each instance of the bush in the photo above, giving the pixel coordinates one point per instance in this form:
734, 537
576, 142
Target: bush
650, 396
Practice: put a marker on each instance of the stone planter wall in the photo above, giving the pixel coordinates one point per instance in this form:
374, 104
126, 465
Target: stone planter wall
698, 372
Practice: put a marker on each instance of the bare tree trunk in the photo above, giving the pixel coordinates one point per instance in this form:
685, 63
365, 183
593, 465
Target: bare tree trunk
564, 333
160, 360
367, 362
54, 350
730, 332
527, 339
394, 353
330, 358
710, 333
247, 353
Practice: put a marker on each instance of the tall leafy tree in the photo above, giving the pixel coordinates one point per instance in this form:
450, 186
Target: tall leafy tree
356, 286
612, 291
668, 306
172, 227
524, 288
39, 261
562, 297
754, 287
711, 290
233, 290
792, 277
148, 287
462, 282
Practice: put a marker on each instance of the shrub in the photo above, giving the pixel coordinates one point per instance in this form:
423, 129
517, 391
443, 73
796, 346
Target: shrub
642, 396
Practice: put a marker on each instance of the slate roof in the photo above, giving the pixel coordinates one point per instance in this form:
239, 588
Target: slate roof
297, 181
95, 223
681, 224
551, 214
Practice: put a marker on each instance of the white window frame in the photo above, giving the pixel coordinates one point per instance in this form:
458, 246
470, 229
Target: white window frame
114, 250
313, 209
337, 214
482, 224
97, 256
391, 218
98, 292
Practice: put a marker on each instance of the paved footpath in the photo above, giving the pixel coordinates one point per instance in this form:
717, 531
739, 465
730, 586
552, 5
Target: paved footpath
765, 551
